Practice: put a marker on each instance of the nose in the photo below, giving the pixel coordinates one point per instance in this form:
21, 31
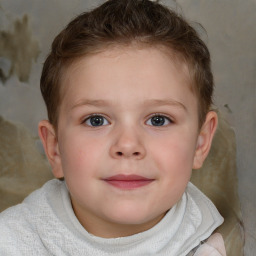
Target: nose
128, 144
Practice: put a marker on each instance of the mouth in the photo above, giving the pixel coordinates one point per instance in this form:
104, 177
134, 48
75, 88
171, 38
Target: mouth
128, 182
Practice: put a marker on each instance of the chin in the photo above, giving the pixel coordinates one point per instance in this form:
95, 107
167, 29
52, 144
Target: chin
134, 216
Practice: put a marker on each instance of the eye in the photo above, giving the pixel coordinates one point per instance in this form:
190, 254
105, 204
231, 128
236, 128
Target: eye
96, 120
158, 120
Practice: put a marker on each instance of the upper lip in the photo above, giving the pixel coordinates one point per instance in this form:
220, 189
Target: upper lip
123, 177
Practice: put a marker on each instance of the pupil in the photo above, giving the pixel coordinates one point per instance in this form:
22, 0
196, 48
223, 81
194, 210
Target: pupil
96, 121
157, 120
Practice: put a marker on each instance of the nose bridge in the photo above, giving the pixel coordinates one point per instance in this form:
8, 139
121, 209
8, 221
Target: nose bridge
128, 142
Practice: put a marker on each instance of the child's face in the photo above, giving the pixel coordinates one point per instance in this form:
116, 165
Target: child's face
127, 138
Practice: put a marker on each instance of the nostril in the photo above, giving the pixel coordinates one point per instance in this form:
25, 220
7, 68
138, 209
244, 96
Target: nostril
121, 153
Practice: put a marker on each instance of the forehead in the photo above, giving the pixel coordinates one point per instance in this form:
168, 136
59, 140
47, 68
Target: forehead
142, 68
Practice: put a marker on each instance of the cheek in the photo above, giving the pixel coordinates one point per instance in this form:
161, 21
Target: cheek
81, 155
174, 155
174, 161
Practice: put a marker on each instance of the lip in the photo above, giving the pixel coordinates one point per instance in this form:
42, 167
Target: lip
128, 182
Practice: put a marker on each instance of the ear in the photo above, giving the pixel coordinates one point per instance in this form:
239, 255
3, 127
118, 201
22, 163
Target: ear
48, 137
204, 140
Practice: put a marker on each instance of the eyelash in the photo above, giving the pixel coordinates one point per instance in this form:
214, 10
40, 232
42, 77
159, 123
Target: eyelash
94, 115
169, 120
162, 116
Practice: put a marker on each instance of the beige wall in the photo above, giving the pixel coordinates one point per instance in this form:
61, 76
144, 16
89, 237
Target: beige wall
231, 28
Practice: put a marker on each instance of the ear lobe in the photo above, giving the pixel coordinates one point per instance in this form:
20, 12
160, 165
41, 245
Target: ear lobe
48, 137
205, 138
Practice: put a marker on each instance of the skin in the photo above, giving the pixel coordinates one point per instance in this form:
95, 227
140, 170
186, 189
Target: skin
126, 87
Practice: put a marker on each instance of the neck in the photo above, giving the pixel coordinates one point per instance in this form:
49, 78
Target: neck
104, 228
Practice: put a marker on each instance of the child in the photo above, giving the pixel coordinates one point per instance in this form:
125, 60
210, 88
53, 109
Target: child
128, 90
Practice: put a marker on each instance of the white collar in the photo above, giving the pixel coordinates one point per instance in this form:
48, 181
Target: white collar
190, 221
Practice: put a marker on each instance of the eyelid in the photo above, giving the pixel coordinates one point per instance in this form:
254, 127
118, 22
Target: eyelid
162, 115
93, 115
107, 118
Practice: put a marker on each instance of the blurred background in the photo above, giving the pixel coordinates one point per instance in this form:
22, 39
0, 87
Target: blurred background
27, 28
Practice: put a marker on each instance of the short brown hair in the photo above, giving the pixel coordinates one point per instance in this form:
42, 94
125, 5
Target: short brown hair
122, 22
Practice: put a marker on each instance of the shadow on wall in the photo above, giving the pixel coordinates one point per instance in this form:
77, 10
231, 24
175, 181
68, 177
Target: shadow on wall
23, 168
218, 180
17, 51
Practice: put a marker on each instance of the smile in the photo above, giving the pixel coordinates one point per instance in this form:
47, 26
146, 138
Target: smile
128, 182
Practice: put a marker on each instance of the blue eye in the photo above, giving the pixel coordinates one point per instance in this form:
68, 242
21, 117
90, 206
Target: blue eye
96, 120
159, 120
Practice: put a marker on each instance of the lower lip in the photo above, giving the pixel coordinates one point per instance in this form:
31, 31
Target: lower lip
128, 184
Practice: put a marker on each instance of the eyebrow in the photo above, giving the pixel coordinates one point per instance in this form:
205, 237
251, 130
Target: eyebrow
148, 102
86, 102
163, 102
